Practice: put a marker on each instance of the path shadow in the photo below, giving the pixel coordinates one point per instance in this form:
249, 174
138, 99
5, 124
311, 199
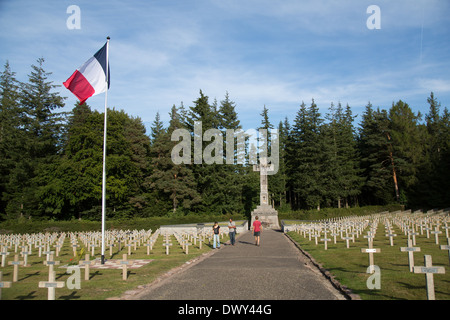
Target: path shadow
409, 286
129, 273
28, 296
442, 292
375, 293
71, 296
60, 275
246, 242
94, 274
400, 265
30, 275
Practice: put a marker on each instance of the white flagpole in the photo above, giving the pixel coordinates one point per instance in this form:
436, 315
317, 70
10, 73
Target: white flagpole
104, 155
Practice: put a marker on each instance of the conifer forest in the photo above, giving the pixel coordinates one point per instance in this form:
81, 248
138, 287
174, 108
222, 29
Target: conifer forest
51, 161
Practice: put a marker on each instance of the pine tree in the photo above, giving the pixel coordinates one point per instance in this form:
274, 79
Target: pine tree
341, 162
201, 111
11, 134
139, 155
75, 179
433, 122
172, 186
407, 150
42, 127
204, 173
227, 114
127, 148
285, 140
444, 165
293, 155
278, 182
229, 177
313, 157
376, 159
40, 104
333, 174
228, 120
264, 136
157, 128
432, 190
75, 185
353, 180
305, 158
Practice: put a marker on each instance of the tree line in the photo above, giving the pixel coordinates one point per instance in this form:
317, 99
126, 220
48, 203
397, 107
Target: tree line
51, 161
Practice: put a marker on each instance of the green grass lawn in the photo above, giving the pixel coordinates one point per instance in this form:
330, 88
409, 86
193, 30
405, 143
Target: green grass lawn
103, 283
397, 283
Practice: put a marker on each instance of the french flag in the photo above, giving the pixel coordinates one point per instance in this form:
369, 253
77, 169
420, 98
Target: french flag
90, 78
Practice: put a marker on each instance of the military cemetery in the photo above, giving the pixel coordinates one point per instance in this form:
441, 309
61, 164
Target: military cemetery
135, 256
224, 150
398, 262
350, 248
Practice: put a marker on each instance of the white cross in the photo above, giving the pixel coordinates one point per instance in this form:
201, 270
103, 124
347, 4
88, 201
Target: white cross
429, 270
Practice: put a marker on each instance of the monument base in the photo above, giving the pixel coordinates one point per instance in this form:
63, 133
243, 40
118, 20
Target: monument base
267, 215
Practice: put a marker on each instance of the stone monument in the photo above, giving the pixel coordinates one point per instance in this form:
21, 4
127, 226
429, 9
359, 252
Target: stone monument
265, 212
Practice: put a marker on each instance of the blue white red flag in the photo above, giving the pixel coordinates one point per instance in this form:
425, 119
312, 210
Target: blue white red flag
90, 79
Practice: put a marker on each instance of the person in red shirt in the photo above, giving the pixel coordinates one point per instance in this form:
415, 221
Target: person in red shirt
257, 230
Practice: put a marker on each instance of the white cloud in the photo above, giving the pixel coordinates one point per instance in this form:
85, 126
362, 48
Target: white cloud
273, 53
436, 85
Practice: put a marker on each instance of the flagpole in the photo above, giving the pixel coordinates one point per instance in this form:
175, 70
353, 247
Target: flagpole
104, 155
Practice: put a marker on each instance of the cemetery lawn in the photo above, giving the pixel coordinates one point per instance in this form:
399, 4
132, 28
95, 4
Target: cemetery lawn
397, 283
103, 283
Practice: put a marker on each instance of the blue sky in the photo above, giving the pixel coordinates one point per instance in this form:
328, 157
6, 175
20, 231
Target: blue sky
272, 53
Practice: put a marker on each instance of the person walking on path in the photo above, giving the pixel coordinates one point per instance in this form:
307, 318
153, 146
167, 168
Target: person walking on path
216, 231
232, 231
257, 230
275, 271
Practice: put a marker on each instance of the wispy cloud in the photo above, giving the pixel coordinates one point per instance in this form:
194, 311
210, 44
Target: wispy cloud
273, 53
438, 85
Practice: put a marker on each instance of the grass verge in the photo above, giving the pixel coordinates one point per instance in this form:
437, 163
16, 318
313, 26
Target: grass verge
349, 266
103, 283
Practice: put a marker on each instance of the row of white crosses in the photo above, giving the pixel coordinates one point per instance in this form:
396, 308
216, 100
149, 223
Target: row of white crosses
26, 243
185, 240
345, 229
412, 225
429, 224
151, 240
117, 238
120, 238
189, 238
51, 284
43, 243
